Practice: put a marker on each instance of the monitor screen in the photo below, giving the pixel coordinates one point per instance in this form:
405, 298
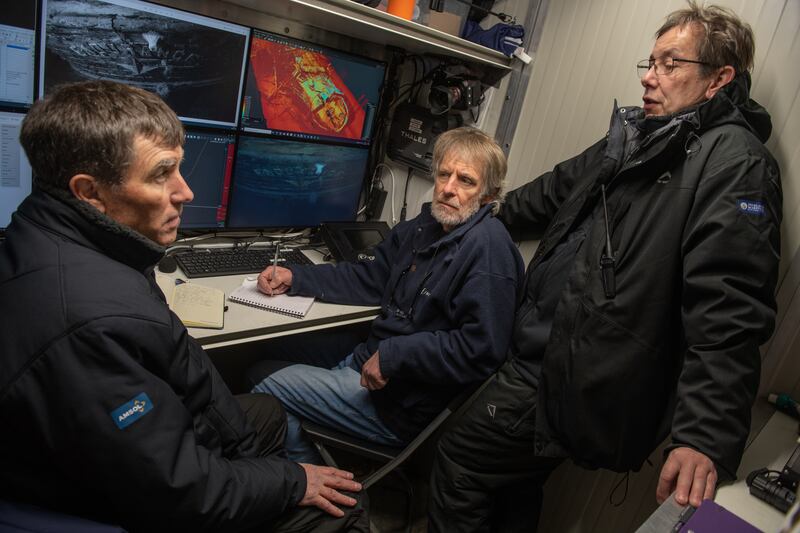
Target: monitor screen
195, 63
15, 171
279, 183
207, 166
17, 36
299, 90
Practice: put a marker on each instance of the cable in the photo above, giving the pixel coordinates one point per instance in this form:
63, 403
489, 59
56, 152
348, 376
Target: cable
508, 19
394, 216
405, 195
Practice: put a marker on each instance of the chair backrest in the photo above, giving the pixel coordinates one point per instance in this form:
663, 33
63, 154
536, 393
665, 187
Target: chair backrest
392, 457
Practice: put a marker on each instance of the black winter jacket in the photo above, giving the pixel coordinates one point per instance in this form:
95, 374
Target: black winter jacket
108, 408
694, 208
447, 308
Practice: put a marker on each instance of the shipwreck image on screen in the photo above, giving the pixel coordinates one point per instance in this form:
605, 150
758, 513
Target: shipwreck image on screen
292, 87
280, 183
195, 64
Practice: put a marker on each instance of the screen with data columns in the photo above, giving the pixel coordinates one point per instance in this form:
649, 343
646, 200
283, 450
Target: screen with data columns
17, 57
15, 171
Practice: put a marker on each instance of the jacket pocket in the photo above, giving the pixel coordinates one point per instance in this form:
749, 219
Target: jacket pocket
608, 393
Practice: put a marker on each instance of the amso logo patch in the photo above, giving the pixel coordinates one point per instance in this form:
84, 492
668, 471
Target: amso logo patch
128, 413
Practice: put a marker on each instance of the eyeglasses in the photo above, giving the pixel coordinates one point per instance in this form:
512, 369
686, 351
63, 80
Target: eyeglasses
664, 67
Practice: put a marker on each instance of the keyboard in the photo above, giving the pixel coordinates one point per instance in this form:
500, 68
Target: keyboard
208, 262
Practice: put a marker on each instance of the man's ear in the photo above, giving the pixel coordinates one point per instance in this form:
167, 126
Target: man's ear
489, 197
86, 188
722, 78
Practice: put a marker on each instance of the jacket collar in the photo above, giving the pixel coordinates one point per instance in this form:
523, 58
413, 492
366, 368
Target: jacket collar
731, 105
59, 211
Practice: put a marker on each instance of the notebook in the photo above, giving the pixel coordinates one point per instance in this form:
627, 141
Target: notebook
711, 517
248, 294
196, 305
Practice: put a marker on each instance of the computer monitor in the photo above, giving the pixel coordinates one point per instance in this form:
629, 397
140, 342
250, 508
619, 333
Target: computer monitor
207, 167
15, 171
195, 63
17, 37
300, 90
278, 183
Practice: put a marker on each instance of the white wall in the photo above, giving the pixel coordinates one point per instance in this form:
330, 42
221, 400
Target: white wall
586, 58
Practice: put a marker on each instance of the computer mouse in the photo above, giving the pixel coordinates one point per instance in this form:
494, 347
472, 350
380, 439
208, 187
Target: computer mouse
168, 264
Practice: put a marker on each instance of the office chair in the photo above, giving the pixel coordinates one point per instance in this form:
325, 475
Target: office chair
391, 457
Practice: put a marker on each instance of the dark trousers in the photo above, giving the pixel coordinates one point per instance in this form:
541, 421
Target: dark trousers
268, 419
486, 476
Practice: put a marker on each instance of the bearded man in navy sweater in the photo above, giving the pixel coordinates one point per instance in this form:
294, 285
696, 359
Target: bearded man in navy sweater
447, 283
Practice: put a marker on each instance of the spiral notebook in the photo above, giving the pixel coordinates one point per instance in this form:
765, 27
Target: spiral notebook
248, 294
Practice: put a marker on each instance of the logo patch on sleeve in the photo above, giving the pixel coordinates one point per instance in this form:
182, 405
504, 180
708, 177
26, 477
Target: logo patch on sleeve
751, 207
129, 412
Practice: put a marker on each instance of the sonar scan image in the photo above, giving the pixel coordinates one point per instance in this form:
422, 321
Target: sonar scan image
195, 68
301, 91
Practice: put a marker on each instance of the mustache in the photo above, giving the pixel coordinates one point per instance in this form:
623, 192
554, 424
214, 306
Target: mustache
452, 203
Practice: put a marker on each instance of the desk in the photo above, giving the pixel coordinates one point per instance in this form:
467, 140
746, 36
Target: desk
249, 324
771, 448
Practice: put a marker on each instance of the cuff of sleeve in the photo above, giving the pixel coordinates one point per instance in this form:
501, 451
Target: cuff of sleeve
299, 487
297, 288
723, 474
386, 360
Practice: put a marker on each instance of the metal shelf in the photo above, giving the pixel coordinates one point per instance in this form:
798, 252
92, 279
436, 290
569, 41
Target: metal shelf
369, 24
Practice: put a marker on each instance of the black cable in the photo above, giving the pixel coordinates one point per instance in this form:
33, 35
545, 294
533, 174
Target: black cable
508, 19
405, 195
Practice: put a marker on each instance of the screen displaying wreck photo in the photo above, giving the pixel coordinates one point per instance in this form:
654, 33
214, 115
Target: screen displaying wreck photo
195, 63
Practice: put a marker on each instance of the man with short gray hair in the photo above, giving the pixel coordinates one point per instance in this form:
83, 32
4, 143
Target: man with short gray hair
647, 298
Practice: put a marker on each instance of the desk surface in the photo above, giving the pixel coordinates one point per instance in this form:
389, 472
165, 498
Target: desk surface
770, 449
247, 324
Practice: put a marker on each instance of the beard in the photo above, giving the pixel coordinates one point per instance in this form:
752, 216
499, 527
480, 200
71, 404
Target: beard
446, 217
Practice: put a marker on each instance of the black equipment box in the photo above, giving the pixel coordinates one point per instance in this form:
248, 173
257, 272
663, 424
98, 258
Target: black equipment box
353, 241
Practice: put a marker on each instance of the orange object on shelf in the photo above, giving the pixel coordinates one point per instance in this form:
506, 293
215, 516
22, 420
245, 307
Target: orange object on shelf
401, 8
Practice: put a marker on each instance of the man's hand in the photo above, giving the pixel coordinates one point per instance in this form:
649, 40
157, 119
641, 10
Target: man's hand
277, 284
371, 377
323, 484
691, 474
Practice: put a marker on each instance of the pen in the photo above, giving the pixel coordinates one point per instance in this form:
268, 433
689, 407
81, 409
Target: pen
275, 260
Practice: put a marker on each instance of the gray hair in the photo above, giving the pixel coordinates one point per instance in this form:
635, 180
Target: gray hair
724, 38
483, 152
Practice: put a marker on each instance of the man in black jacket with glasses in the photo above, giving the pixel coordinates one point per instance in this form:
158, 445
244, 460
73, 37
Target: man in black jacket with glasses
646, 300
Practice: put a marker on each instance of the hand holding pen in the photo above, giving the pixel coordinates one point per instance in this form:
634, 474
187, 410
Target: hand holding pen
274, 279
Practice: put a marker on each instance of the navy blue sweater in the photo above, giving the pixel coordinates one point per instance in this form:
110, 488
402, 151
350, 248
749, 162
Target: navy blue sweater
447, 308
